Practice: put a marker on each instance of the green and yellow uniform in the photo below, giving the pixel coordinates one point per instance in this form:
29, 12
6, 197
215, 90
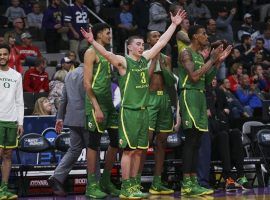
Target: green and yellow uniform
133, 122
192, 99
101, 86
8, 135
159, 108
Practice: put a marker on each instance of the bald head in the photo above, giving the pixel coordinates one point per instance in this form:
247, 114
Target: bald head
152, 37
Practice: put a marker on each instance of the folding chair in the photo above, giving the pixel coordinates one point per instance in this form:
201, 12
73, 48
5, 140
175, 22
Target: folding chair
263, 138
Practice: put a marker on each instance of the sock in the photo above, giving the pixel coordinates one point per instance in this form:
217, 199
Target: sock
106, 176
125, 183
156, 179
91, 178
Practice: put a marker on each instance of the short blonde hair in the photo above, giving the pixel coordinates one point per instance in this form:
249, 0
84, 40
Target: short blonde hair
60, 75
39, 109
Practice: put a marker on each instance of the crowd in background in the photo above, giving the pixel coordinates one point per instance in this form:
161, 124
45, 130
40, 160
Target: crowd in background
244, 78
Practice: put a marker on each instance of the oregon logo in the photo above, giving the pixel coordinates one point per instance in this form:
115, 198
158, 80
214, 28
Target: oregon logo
90, 125
6, 85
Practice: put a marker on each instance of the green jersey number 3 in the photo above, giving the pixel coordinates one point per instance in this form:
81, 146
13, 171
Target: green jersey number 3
143, 78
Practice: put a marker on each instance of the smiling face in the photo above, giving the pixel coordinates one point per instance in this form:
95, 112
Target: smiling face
4, 57
136, 47
105, 36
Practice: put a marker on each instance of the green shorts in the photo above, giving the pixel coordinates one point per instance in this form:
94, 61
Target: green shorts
110, 119
160, 112
193, 109
8, 135
133, 128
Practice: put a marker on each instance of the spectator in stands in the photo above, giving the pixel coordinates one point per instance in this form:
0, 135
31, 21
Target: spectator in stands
125, 24
262, 55
2, 38
15, 11
11, 118
27, 48
34, 20
18, 29
14, 59
140, 10
226, 143
73, 59
52, 23
56, 86
223, 23
257, 78
183, 3
77, 16
266, 36
247, 94
236, 73
66, 64
247, 28
36, 79
211, 29
158, 17
42, 107
182, 38
246, 51
235, 57
237, 110
198, 11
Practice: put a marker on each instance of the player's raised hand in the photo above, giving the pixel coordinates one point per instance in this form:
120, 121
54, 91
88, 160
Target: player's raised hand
87, 35
178, 18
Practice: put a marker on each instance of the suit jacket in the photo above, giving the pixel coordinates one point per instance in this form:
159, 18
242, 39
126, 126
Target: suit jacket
72, 106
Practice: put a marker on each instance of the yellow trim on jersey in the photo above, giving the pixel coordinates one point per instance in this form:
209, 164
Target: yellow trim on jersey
114, 127
95, 77
185, 81
124, 129
151, 129
125, 88
93, 113
143, 147
166, 131
190, 115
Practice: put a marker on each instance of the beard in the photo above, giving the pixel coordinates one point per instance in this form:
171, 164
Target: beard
3, 64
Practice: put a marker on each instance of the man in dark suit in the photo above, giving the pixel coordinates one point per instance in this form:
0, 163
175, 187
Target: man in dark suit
71, 113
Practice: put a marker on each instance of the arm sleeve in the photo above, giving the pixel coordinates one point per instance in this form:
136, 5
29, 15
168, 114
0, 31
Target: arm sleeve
7, 12
242, 97
68, 16
225, 23
19, 101
23, 13
26, 83
46, 84
207, 12
63, 103
30, 20
156, 16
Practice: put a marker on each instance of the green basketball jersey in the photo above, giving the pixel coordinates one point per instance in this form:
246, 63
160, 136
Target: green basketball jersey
101, 83
134, 84
184, 81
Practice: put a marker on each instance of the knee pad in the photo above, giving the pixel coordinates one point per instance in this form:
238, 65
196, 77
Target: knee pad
113, 135
94, 140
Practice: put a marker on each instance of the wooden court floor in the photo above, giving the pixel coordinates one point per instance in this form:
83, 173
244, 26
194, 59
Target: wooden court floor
254, 194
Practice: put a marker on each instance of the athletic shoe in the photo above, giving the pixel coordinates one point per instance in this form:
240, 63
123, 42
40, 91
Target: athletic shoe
2, 194
93, 191
230, 185
243, 183
128, 191
7, 194
158, 187
109, 188
205, 191
56, 186
186, 186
